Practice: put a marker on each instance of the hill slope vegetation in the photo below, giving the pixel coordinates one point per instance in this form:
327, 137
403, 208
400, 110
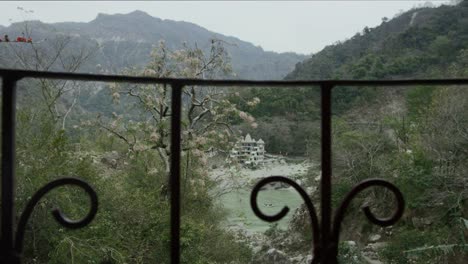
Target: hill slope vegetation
126, 40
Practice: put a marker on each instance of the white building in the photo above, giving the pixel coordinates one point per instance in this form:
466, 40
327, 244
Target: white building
247, 151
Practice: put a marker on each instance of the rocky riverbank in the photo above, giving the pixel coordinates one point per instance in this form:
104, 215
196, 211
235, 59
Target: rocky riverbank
286, 241
234, 186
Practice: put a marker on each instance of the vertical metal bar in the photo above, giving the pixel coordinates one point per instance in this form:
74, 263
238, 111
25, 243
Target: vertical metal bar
175, 171
8, 164
325, 184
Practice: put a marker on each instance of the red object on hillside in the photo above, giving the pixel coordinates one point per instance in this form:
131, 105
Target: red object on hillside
18, 39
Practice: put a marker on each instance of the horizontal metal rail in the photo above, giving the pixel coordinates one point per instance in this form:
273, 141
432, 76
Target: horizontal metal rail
325, 232
19, 74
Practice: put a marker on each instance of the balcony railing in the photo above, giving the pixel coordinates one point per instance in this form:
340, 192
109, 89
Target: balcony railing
326, 230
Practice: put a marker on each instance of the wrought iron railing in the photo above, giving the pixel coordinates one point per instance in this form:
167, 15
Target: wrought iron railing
326, 231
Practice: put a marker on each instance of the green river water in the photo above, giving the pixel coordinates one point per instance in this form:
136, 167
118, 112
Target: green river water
237, 204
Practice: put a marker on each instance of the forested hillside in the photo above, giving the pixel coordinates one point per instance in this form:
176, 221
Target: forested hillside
423, 42
415, 137
125, 40
420, 43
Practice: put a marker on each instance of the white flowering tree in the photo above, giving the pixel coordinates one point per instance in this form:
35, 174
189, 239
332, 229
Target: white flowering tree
207, 112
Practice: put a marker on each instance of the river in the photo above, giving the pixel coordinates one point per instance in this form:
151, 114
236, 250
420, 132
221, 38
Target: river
270, 201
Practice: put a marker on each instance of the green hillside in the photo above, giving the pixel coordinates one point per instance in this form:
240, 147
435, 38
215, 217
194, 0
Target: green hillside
424, 42
415, 137
421, 43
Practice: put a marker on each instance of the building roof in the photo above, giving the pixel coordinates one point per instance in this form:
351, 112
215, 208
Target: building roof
261, 141
249, 139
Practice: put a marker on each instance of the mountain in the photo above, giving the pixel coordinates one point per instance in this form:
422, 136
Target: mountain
127, 40
402, 134
423, 42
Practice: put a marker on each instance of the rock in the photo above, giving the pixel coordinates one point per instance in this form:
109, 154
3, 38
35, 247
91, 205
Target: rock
296, 260
388, 231
310, 190
369, 253
350, 243
376, 246
274, 255
374, 238
110, 159
372, 261
112, 163
273, 185
301, 259
256, 249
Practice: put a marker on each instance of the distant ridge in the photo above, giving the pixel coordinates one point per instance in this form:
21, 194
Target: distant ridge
127, 40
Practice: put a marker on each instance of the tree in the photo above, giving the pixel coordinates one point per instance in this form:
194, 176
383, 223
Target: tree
366, 30
207, 112
445, 140
132, 227
55, 53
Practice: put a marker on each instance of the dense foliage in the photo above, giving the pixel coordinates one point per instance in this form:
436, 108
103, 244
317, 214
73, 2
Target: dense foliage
126, 161
420, 42
422, 149
416, 137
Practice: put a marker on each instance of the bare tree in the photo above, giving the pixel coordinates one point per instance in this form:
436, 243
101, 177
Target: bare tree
54, 53
445, 139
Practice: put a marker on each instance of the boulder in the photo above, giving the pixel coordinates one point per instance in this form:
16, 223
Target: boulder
296, 260
274, 255
350, 243
374, 238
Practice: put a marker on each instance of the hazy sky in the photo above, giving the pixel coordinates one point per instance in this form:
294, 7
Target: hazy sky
299, 26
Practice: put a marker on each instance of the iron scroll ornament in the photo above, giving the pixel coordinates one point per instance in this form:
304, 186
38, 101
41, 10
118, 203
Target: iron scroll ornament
59, 216
339, 215
285, 210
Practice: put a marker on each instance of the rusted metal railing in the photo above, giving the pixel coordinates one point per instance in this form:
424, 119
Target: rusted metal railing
326, 231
